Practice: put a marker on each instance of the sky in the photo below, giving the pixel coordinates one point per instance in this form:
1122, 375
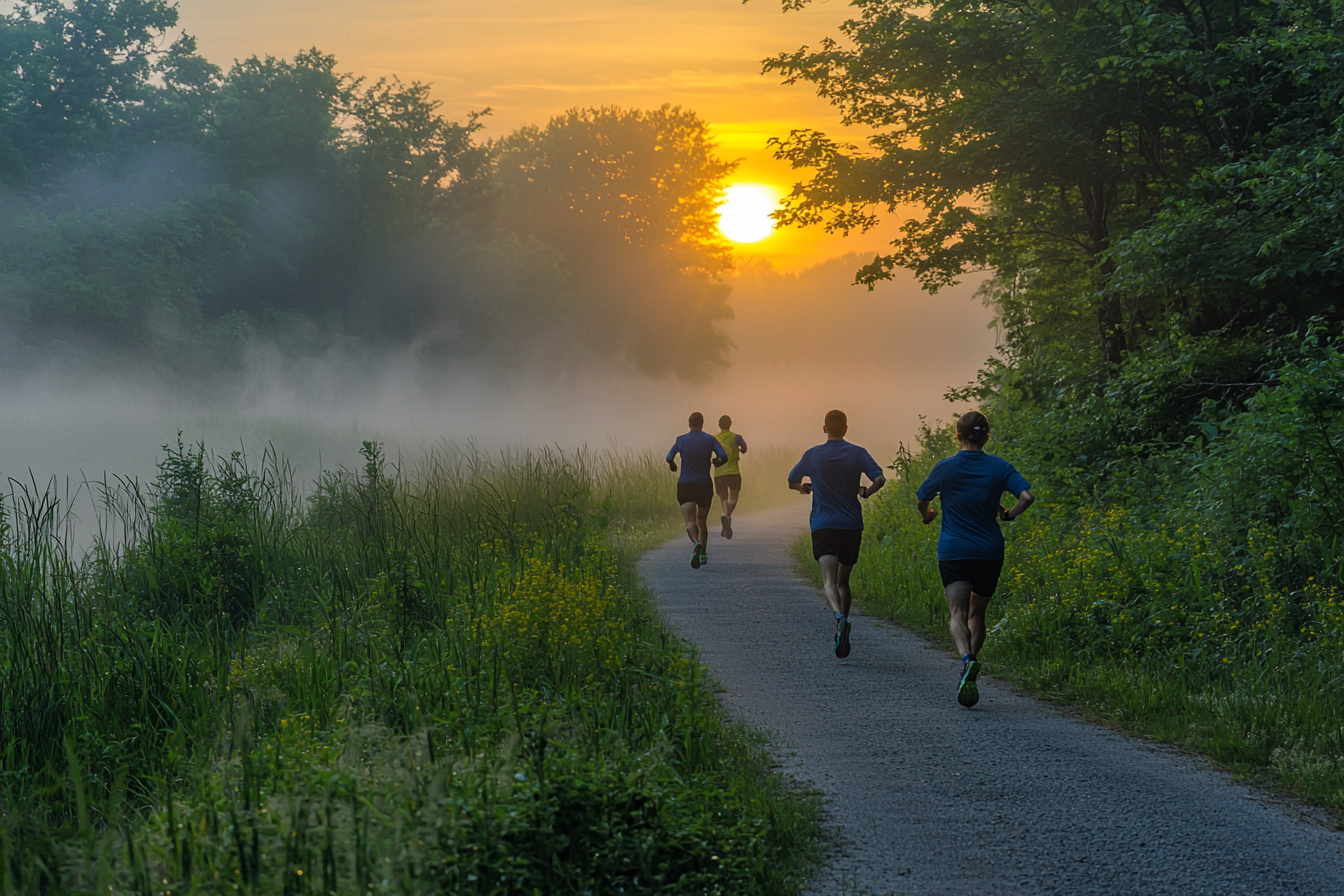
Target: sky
527, 60
807, 340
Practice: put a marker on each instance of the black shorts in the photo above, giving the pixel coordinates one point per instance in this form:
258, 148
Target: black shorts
843, 543
701, 494
727, 481
982, 574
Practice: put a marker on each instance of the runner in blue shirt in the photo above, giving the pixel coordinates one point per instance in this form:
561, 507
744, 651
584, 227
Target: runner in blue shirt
834, 468
695, 490
970, 545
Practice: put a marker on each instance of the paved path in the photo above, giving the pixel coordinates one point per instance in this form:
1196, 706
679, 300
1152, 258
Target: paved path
1010, 797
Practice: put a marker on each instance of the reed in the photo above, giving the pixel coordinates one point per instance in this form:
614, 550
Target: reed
439, 677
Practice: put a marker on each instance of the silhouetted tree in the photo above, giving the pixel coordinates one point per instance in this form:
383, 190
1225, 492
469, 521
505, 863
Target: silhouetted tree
629, 197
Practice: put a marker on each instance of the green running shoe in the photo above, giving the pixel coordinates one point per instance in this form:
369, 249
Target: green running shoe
695, 556
842, 639
704, 556
968, 692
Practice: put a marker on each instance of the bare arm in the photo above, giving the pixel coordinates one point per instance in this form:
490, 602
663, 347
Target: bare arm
925, 511
802, 488
873, 487
1024, 500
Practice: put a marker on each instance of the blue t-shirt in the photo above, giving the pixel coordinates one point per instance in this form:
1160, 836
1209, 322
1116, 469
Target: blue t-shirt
835, 466
971, 484
696, 447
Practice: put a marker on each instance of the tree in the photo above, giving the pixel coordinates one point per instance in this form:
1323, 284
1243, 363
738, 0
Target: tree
629, 197
1037, 135
412, 168
73, 74
277, 118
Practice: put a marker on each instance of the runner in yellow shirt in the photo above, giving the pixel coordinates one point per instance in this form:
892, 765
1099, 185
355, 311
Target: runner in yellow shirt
728, 478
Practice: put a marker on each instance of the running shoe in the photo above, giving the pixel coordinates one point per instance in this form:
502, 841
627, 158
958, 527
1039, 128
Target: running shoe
704, 556
727, 526
842, 639
695, 556
968, 692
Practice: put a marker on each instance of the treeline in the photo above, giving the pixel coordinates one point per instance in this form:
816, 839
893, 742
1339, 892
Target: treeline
1155, 192
157, 207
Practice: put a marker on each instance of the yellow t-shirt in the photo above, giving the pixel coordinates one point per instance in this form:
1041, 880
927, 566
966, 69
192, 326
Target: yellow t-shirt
729, 442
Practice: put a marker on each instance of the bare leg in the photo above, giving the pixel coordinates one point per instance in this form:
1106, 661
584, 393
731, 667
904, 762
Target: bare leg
701, 523
975, 621
835, 583
958, 605
730, 503
726, 505
693, 522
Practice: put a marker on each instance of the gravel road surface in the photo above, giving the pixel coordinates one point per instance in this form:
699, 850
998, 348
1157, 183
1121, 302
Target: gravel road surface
1013, 796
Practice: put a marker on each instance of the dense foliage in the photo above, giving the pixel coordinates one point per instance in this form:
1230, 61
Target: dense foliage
1130, 173
438, 681
155, 206
1154, 192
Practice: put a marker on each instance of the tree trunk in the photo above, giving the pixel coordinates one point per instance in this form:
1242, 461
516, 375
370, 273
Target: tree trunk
1111, 329
1098, 199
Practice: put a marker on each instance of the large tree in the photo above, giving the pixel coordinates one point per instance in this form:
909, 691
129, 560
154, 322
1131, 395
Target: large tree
629, 197
1037, 135
74, 76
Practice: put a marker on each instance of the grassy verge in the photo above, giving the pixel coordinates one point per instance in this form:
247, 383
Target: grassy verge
440, 680
1166, 631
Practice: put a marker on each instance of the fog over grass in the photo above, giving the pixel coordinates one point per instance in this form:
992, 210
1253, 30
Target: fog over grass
805, 343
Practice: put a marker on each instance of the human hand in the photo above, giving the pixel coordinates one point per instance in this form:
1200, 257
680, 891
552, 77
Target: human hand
671, 465
1003, 514
929, 515
805, 488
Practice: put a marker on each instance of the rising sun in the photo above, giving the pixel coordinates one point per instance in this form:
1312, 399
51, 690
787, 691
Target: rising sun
744, 214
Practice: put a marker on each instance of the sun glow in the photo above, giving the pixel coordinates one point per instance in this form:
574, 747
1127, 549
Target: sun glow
744, 214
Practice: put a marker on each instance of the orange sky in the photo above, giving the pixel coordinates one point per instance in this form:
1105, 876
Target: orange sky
529, 59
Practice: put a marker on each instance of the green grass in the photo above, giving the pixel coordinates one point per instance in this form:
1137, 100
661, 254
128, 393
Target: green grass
1169, 632
443, 679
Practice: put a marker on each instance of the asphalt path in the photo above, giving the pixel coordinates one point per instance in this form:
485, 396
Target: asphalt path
1013, 796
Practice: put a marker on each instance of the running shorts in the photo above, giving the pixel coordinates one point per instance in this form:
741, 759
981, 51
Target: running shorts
982, 574
843, 543
701, 494
727, 481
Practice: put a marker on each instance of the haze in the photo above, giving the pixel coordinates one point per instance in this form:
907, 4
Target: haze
805, 339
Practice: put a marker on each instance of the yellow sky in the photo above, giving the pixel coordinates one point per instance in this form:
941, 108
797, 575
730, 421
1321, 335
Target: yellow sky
530, 59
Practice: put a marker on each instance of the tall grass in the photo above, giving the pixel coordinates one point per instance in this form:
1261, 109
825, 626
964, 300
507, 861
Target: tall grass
1175, 631
432, 679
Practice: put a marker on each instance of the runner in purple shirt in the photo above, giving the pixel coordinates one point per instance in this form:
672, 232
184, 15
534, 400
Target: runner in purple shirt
695, 488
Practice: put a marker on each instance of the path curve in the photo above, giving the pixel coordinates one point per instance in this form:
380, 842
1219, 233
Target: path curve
1011, 797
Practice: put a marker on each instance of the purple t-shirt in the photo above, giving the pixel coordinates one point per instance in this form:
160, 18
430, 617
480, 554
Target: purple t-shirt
696, 448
